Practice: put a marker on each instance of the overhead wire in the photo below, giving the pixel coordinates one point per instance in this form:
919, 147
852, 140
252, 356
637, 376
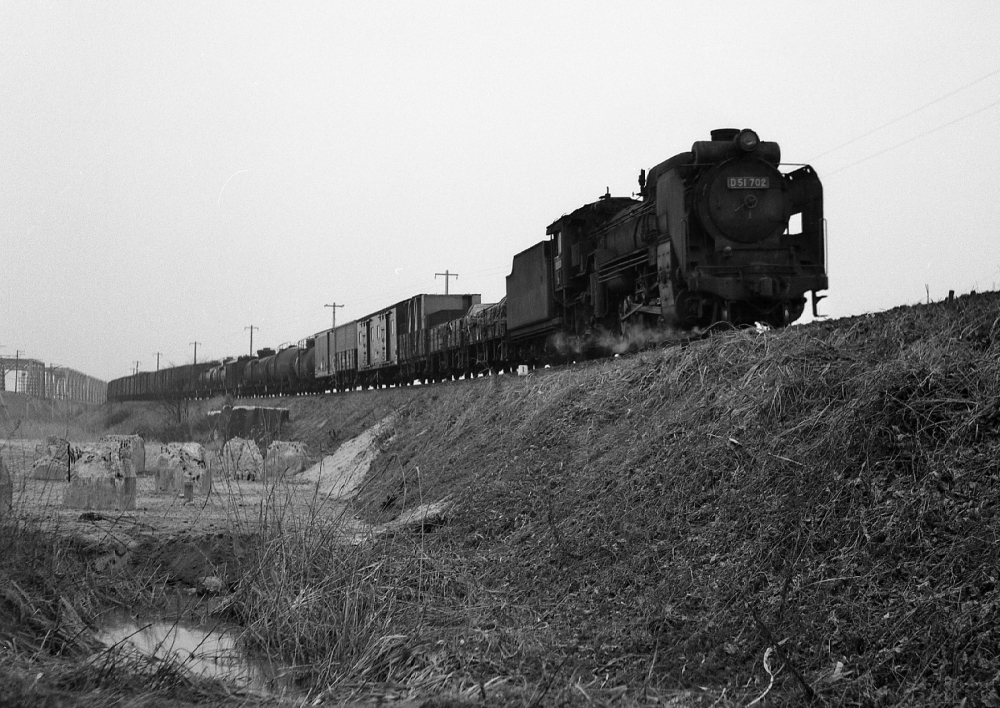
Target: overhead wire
914, 138
907, 115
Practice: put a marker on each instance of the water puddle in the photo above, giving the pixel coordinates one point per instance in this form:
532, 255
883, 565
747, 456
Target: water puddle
205, 648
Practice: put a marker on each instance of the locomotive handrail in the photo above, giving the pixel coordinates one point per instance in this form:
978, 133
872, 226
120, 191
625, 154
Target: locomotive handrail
613, 268
826, 254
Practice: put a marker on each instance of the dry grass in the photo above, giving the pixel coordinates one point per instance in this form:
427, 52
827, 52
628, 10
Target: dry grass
339, 604
806, 514
54, 587
662, 520
47, 647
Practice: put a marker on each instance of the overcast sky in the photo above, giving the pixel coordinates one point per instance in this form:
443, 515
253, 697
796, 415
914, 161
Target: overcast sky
173, 172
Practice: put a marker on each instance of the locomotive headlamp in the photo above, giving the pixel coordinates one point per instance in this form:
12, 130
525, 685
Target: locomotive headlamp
748, 140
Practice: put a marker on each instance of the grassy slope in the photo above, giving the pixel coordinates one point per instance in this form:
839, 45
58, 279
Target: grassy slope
629, 528
661, 520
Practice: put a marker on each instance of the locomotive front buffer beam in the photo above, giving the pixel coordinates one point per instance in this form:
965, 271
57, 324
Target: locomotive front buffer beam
750, 288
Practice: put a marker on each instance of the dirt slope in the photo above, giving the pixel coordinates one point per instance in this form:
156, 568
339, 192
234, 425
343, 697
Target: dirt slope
830, 491
825, 497
817, 505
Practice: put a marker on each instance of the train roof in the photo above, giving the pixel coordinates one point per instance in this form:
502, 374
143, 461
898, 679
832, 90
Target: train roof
601, 210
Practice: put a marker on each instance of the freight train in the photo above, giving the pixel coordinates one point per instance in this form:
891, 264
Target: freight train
718, 234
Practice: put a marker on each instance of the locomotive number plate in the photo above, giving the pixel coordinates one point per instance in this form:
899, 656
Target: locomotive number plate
749, 183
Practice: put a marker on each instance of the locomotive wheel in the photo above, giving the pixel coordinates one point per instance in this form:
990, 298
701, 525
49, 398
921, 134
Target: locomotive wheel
785, 313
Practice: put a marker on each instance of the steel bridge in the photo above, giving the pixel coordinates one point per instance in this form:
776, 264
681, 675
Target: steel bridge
33, 378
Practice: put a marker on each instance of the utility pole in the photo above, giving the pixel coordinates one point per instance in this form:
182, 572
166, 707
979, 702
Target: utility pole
446, 275
251, 328
157, 360
195, 350
136, 369
333, 308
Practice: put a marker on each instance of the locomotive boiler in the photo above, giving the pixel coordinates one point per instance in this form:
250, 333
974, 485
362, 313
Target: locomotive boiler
718, 234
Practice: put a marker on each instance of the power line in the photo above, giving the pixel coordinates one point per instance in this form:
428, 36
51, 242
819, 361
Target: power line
914, 138
906, 115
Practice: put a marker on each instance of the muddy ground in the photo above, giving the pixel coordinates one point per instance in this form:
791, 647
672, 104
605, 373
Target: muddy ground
197, 542
193, 540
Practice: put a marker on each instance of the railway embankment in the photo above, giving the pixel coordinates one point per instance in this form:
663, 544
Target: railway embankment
810, 514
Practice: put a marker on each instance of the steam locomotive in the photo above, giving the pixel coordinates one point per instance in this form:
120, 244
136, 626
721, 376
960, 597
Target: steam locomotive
718, 234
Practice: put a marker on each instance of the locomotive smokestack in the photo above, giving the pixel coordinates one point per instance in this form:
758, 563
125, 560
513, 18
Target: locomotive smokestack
725, 134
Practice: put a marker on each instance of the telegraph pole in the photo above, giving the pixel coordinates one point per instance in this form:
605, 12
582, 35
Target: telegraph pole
195, 350
333, 309
251, 328
446, 275
157, 360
